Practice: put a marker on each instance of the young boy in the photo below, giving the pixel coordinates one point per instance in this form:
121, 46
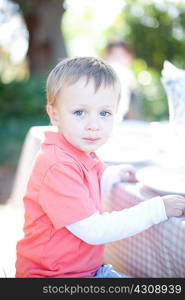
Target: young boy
65, 226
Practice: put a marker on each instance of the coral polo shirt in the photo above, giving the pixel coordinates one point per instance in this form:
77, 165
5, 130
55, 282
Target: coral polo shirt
64, 188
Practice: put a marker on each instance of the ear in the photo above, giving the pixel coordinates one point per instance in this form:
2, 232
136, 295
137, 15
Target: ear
53, 114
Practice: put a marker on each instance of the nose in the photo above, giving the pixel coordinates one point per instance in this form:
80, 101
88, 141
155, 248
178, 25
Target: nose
92, 124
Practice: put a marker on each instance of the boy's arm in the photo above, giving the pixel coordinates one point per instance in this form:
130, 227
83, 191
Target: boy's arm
109, 227
114, 174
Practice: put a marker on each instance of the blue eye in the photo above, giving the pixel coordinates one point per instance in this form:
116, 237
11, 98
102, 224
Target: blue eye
79, 113
105, 114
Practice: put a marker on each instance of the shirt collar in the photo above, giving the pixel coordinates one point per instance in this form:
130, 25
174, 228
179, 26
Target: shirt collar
56, 138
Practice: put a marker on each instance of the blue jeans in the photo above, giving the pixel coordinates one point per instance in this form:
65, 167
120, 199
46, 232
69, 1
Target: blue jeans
107, 271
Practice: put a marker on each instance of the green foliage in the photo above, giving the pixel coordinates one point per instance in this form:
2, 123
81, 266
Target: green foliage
22, 106
22, 98
157, 32
153, 99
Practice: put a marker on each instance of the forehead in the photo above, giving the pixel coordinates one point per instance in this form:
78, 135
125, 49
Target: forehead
82, 92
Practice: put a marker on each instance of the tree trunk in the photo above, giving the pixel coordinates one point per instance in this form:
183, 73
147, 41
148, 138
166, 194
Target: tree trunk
46, 41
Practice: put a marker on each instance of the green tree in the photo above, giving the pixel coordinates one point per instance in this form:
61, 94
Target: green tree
157, 32
22, 101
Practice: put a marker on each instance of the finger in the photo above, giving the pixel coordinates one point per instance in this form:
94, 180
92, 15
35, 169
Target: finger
176, 196
133, 177
125, 176
180, 197
130, 177
130, 172
180, 204
180, 201
127, 168
180, 212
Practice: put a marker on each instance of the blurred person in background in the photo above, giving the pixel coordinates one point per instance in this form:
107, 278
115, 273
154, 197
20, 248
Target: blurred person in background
120, 56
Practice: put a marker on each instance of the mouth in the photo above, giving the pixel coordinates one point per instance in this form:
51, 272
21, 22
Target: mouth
91, 140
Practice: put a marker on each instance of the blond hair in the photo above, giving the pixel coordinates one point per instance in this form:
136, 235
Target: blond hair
68, 71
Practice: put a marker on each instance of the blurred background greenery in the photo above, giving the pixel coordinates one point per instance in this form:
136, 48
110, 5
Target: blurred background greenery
35, 34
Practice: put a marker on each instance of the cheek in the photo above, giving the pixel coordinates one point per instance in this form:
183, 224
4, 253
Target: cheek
108, 126
66, 120
73, 128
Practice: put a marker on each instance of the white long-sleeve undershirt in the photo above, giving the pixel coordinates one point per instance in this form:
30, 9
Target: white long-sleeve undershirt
116, 225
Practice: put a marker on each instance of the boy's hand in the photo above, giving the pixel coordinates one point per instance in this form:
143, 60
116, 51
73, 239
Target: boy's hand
174, 205
128, 173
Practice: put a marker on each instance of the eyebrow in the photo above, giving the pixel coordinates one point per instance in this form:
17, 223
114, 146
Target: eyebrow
85, 106
109, 106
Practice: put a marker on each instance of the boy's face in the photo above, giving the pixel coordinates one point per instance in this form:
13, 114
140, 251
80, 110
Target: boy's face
83, 117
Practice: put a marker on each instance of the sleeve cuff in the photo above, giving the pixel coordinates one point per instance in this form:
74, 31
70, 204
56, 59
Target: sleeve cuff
159, 209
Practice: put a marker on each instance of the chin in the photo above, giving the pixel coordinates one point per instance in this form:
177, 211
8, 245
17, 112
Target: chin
89, 149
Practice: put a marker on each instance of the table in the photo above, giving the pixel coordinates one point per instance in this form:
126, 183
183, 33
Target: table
158, 251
